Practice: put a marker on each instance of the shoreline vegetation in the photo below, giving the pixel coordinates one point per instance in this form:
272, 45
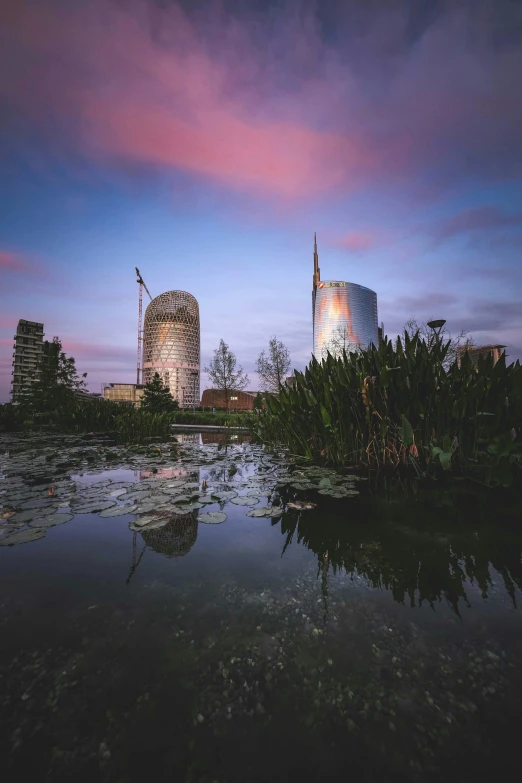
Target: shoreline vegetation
407, 407
400, 407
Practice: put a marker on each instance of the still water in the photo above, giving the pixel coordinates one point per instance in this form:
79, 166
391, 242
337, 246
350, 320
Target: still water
376, 635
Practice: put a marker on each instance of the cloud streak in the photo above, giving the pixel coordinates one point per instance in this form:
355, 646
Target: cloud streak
480, 219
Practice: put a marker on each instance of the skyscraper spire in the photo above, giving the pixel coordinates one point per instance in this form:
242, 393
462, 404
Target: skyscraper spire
317, 271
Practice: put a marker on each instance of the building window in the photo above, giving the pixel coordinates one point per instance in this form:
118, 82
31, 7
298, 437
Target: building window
233, 398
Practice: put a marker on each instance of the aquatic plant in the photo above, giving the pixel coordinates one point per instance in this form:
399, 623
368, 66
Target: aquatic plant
398, 404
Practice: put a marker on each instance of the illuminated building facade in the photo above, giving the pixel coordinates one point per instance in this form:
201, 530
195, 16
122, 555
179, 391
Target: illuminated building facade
344, 315
171, 345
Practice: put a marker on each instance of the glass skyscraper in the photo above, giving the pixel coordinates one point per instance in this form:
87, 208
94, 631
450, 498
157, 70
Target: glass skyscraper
344, 315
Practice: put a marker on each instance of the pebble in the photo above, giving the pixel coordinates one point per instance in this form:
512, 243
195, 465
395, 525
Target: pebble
200, 718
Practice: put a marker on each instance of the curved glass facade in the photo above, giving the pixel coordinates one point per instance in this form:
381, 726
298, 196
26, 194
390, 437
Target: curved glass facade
344, 316
171, 344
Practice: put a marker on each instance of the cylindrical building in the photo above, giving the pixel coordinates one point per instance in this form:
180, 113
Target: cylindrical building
344, 317
171, 345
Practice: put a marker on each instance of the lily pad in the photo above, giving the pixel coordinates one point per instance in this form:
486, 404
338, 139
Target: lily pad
51, 520
245, 500
206, 499
92, 507
184, 498
26, 516
118, 511
225, 495
23, 536
266, 511
212, 518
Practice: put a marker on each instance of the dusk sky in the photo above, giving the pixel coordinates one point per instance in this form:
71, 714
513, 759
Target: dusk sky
205, 142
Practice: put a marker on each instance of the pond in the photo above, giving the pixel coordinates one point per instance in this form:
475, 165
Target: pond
194, 612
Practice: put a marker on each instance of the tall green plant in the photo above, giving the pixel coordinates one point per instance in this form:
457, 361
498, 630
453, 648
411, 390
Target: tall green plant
396, 404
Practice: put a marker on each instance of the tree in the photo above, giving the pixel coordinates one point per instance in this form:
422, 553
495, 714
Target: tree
224, 374
340, 342
272, 367
258, 402
54, 389
157, 397
429, 335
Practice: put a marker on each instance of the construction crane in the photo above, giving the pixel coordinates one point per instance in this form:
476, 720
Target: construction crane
141, 284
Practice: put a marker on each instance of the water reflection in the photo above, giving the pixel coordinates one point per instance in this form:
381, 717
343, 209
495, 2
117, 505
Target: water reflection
420, 562
222, 438
165, 473
176, 538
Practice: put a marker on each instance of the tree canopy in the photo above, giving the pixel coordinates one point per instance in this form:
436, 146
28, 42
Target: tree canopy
224, 373
157, 397
272, 366
429, 335
56, 383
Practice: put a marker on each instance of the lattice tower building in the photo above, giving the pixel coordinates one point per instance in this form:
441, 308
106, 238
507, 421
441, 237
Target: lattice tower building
171, 345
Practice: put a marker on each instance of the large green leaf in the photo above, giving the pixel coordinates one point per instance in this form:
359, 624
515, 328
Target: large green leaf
325, 416
406, 431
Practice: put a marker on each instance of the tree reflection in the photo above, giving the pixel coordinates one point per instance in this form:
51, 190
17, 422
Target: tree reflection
410, 549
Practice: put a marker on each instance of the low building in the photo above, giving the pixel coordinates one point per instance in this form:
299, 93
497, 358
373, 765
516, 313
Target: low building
85, 395
237, 400
475, 351
130, 393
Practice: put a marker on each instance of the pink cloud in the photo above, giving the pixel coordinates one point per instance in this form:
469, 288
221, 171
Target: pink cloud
98, 351
21, 264
206, 95
14, 261
356, 241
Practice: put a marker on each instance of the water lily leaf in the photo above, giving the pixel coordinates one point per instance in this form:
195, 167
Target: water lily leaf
245, 500
185, 498
118, 511
23, 536
212, 517
138, 495
225, 495
266, 511
40, 503
92, 507
190, 507
153, 525
51, 520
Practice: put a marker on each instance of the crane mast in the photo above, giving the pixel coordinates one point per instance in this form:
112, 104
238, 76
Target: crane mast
141, 286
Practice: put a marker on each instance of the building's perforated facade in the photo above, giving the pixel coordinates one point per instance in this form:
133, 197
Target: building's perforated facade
171, 345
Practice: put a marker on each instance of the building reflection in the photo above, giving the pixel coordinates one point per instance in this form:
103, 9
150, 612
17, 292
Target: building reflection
176, 538
188, 437
222, 438
169, 473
